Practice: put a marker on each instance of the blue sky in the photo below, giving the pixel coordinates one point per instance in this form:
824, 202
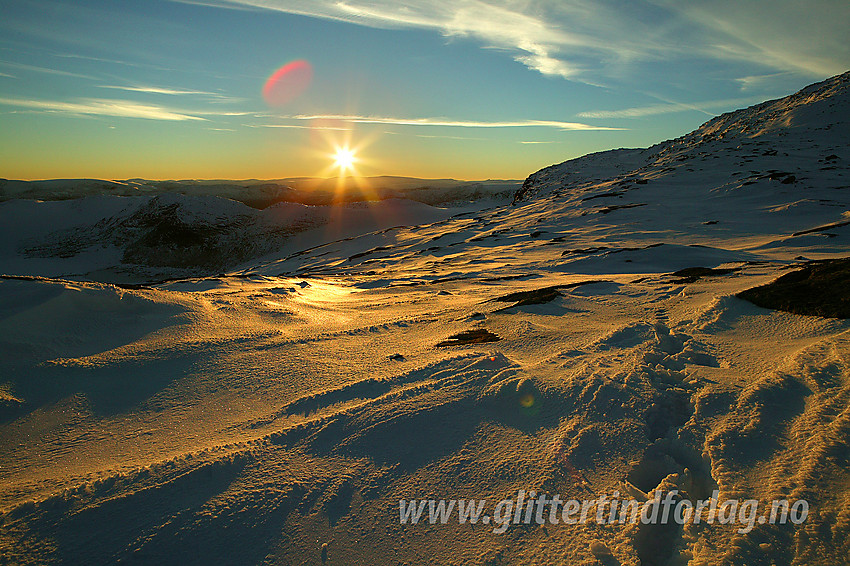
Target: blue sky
429, 88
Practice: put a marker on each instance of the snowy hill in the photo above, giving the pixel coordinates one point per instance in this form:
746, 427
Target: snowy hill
586, 340
816, 118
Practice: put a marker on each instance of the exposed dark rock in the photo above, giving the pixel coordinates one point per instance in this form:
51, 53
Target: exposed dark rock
367, 252
821, 288
170, 242
509, 277
614, 207
603, 195
692, 274
822, 228
585, 250
535, 297
474, 336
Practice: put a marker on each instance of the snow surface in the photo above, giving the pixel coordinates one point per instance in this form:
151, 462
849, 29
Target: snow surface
277, 411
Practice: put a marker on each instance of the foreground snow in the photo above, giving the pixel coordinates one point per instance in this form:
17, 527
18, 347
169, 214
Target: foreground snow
290, 403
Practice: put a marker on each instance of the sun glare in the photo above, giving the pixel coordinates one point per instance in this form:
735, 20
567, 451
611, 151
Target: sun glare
345, 159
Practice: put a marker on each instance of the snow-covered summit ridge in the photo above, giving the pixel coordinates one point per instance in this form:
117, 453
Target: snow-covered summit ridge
822, 105
817, 112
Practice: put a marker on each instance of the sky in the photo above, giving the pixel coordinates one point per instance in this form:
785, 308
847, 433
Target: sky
464, 89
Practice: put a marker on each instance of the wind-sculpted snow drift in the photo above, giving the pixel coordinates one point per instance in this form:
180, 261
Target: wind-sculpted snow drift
277, 412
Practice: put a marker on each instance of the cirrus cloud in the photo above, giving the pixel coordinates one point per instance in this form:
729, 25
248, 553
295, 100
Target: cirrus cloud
445, 122
589, 41
101, 107
656, 109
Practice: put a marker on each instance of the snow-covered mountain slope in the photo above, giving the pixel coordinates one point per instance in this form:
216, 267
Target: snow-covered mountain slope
799, 130
586, 340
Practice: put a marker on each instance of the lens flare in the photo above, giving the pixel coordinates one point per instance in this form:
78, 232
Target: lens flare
287, 83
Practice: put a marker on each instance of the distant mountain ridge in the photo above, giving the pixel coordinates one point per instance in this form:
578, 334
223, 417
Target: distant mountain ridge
261, 194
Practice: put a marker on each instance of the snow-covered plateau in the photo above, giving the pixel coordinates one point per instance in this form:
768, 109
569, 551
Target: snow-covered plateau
187, 379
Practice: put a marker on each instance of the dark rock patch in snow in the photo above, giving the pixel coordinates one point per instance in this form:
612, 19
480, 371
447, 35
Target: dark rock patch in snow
475, 336
693, 274
821, 288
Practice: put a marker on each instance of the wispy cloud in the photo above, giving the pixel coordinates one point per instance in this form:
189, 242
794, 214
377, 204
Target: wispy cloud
7, 75
101, 107
532, 32
300, 127
122, 62
157, 90
220, 113
533, 41
451, 123
653, 110
438, 137
753, 82
214, 4
536, 142
464, 138
206, 96
45, 70
801, 37
589, 41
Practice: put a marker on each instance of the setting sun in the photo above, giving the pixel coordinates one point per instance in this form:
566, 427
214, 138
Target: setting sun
344, 158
